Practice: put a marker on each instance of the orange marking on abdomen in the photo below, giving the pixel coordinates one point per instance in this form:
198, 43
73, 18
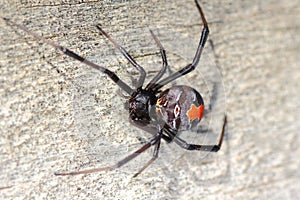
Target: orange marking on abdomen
195, 112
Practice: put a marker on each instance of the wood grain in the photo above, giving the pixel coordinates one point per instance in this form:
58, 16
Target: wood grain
44, 130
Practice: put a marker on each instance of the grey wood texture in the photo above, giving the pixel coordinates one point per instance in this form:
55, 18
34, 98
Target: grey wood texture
43, 128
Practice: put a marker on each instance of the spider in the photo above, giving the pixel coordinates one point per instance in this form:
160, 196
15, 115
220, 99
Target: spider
160, 113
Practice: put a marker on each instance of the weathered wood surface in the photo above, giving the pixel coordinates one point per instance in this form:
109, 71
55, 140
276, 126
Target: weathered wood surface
257, 47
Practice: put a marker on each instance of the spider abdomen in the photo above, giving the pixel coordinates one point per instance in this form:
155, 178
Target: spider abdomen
180, 107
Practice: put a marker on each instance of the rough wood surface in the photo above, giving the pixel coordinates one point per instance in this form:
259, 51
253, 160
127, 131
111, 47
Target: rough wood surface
43, 130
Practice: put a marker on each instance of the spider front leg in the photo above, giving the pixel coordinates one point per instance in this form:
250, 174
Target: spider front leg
127, 56
151, 84
72, 54
192, 66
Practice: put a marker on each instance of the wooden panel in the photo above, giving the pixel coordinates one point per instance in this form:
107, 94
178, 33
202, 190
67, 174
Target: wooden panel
57, 114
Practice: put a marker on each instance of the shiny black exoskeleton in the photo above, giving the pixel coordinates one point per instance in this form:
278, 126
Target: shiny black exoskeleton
141, 104
161, 114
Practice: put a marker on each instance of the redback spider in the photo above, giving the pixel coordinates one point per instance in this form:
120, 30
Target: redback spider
162, 114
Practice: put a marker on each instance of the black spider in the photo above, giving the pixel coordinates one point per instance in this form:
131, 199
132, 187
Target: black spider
163, 114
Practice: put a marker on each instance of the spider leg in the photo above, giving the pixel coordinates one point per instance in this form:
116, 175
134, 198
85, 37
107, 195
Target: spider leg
127, 56
6, 187
122, 162
155, 154
70, 53
171, 133
211, 148
165, 63
150, 129
192, 66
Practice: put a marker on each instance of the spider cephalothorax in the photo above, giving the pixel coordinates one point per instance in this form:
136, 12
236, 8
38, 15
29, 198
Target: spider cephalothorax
163, 114
141, 105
